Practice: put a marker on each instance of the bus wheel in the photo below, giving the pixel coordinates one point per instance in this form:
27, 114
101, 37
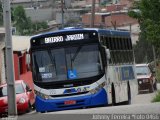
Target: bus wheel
129, 95
113, 96
128, 102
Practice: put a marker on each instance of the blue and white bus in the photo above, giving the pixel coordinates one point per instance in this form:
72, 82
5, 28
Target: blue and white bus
77, 68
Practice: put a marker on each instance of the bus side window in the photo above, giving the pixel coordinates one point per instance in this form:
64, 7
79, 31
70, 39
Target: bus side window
102, 40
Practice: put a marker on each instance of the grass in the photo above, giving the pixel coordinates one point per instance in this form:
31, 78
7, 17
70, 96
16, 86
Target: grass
157, 97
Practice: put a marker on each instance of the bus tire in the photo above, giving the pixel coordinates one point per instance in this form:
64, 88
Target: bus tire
129, 94
128, 102
113, 95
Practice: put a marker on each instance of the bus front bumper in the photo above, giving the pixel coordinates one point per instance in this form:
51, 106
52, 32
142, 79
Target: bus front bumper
100, 98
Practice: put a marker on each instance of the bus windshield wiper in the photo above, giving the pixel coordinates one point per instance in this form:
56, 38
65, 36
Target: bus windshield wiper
75, 55
52, 60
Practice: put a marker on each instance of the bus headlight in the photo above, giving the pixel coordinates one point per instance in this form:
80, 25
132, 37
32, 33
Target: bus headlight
42, 95
95, 90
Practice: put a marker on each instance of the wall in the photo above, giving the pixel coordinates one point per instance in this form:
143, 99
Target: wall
19, 64
68, 15
16, 66
2, 58
121, 19
31, 3
46, 14
98, 21
2, 67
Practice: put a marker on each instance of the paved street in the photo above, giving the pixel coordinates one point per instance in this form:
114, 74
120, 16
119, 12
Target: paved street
140, 105
87, 114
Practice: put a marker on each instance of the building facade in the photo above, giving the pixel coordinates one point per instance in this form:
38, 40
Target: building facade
21, 45
2, 57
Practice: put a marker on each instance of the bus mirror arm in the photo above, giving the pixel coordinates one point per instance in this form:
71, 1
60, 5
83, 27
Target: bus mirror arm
108, 55
28, 61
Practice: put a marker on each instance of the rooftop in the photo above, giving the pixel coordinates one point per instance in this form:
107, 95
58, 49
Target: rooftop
21, 43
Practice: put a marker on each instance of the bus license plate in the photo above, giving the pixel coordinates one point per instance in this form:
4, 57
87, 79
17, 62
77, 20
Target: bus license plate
70, 102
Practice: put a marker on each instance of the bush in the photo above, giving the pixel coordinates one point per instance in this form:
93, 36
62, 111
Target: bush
158, 75
157, 97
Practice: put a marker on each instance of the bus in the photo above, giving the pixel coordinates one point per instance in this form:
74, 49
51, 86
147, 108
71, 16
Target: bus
78, 68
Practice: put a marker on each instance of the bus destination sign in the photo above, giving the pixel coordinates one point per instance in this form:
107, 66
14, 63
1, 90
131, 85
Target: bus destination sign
66, 38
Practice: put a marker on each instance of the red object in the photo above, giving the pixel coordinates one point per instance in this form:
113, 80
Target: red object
70, 102
16, 66
27, 78
24, 97
20, 66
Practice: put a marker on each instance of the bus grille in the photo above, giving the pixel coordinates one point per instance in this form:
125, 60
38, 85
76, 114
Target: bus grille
72, 94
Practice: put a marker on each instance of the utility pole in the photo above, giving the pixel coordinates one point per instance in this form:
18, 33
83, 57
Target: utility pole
12, 108
92, 13
62, 12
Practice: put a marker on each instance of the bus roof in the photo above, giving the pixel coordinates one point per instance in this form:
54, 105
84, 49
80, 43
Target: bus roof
114, 32
108, 32
56, 32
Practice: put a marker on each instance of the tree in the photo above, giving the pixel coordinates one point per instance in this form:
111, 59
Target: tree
24, 25
21, 21
143, 51
148, 15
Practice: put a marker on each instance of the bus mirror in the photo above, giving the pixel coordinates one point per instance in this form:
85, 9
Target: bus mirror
28, 61
108, 54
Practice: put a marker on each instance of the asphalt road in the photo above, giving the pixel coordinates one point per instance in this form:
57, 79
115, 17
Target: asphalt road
129, 112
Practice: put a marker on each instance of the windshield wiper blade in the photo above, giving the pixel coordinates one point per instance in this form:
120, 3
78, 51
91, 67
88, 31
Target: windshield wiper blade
75, 55
52, 58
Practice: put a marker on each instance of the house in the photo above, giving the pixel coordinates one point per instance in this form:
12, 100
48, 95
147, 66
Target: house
21, 45
114, 20
2, 57
109, 19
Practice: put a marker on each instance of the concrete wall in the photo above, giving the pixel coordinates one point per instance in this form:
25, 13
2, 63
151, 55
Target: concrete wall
31, 3
16, 66
2, 67
49, 14
20, 65
2, 60
46, 14
68, 15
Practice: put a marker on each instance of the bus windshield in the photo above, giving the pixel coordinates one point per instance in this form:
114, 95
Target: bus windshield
66, 63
